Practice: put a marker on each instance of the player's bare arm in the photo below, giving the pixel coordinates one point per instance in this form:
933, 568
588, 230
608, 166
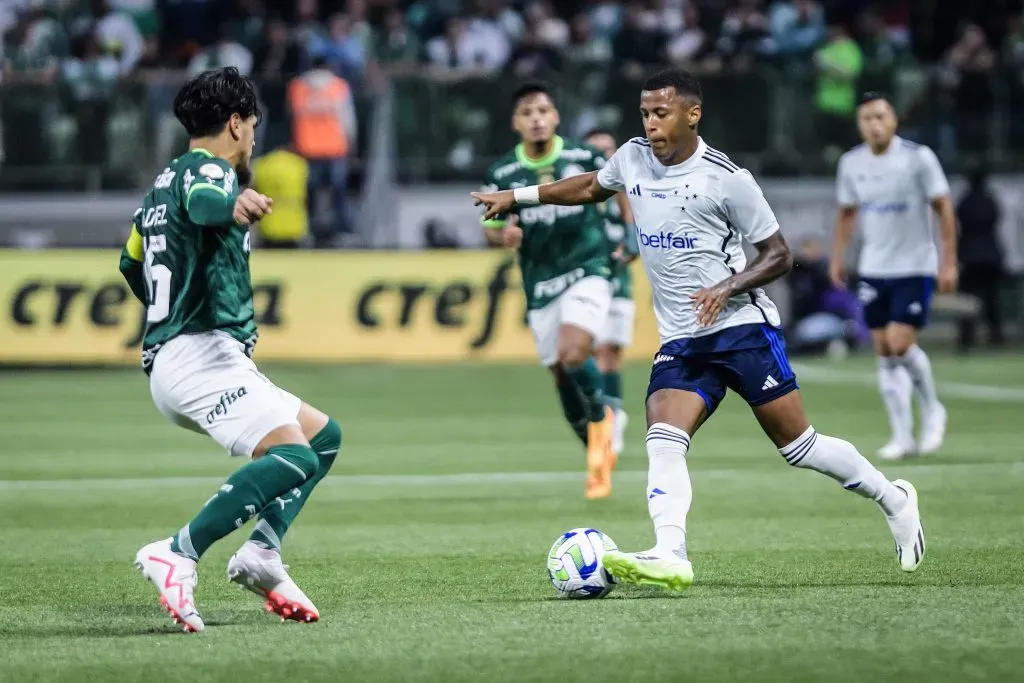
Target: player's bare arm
573, 191
251, 206
949, 271
773, 260
845, 222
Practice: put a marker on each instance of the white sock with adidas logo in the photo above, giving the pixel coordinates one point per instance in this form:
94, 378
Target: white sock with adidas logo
841, 461
669, 491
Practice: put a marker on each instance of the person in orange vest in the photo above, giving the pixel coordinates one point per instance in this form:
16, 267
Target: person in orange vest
324, 133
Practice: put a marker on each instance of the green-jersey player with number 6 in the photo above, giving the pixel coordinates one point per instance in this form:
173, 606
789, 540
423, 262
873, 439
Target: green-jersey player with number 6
187, 260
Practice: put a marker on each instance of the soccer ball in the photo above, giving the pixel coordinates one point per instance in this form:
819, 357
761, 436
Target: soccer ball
574, 564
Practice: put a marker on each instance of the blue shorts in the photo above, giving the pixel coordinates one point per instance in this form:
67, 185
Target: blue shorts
895, 300
749, 359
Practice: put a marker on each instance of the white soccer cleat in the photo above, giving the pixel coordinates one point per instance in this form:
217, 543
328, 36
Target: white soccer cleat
650, 567
619, 435
896, 450
907, 530
261, 571
933, 429
175, 578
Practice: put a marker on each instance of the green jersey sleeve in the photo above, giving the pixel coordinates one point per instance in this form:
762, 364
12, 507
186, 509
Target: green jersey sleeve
132, 256
209, 193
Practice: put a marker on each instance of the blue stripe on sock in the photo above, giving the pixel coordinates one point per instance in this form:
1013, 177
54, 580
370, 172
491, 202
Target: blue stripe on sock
665, 436
800, 452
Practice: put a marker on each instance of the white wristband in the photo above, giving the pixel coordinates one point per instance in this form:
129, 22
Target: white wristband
527, 195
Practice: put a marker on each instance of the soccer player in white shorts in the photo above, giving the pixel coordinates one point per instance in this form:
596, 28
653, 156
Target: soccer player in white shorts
693, 207
893, 186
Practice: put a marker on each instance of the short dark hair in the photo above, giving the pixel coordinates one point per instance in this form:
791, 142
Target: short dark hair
873, 96
205, 104
531, 88
598, 131
682, 80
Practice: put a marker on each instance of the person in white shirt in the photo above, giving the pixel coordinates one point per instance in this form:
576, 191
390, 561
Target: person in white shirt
692, 207
892, 186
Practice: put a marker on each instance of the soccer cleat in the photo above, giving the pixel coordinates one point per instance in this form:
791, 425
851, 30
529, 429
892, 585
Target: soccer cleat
619, 435
175, 578
933, 429
907, 530
650, 567
896, 450
600, 459
260, 570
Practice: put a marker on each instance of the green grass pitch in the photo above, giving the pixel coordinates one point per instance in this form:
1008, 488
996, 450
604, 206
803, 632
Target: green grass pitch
425, 548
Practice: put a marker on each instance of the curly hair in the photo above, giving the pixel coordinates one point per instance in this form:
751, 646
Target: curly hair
206, 103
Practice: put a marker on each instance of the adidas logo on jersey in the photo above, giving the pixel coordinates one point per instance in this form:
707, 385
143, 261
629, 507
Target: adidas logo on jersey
769, 383
663, 358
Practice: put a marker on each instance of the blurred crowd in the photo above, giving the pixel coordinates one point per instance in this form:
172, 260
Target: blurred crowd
107, 39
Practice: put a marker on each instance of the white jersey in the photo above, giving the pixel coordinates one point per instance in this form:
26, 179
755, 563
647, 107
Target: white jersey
690, 219
892, 193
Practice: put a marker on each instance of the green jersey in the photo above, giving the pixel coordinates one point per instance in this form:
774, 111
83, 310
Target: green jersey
191, 256
615, 229
561, 244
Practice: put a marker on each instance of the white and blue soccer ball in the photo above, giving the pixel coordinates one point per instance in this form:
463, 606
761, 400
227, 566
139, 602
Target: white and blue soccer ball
575, 567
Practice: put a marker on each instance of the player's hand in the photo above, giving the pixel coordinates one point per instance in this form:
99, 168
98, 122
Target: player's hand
512, 234
622, 256
497, 203
250, 206
709, 302
949, 274
837, 274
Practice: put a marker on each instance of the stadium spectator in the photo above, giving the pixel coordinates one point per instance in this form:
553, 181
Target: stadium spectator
744, 33
395, 45
342, 49
637, 46
606, 17
797, 27
981, 262
549, 30
324, 127
970, 63
277, 57
535, 56
462, 48
284, 175
225, 52
839, 64
884, 45
586, 47
690, 43
90, 78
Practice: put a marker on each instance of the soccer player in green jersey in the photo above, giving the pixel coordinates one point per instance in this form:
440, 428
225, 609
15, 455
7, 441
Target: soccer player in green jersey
187, 259
617, 333
565, 261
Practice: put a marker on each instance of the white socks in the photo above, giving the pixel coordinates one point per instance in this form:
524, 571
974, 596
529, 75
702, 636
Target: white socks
668, 486
915, 360
839, 460
895, 385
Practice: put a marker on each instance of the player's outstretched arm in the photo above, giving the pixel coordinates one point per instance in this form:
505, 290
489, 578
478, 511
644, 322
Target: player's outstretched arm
573, 191
773, 260
949, 267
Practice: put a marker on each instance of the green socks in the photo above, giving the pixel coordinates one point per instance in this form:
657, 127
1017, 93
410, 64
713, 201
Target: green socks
591, 387
245, 493
276, 517
572, 406
613, 390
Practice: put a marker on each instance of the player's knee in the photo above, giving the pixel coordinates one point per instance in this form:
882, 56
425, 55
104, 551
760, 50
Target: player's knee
899, 345
573, 355
298, 456
326, 444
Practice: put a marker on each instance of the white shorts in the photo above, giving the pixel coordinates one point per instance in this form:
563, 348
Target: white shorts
206, 383
618, 327
585, 305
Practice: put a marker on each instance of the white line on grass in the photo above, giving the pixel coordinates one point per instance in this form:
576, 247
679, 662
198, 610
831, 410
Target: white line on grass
977, 392
467, 479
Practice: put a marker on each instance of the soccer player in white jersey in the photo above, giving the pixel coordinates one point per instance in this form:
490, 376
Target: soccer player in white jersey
893, 185
692, 208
